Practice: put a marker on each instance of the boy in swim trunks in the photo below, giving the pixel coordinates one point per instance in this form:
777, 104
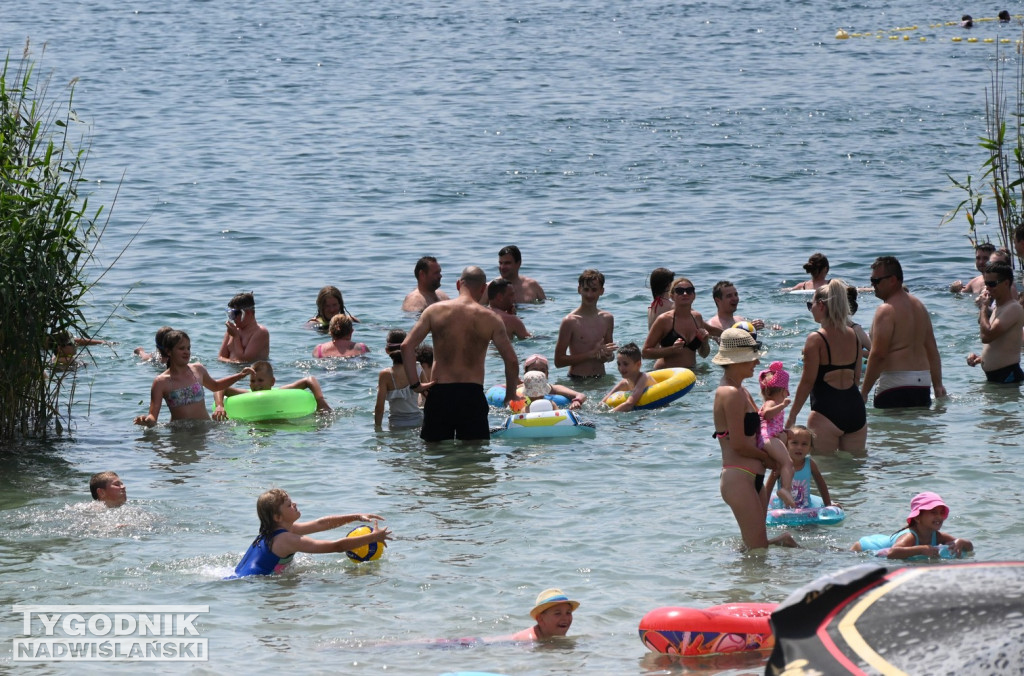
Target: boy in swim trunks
108, 488
633, 380
263, 379
585, 340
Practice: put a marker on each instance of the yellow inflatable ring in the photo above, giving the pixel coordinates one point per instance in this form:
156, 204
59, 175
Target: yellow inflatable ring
670, 384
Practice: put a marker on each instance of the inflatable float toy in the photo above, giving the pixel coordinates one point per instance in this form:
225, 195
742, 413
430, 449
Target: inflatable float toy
730, 628
544, 424
879, 544
670, 384
817, 513
496, 397
959, 618
270, 405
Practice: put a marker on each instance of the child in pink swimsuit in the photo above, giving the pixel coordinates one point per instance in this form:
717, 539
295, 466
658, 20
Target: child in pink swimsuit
775, 392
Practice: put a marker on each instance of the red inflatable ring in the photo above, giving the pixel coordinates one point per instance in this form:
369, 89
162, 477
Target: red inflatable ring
730, 628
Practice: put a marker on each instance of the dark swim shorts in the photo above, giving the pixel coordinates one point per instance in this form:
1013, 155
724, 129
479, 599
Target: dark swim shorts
1006, 375
455, 411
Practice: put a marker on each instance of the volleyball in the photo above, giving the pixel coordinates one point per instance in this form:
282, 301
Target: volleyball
746, 326
370, 552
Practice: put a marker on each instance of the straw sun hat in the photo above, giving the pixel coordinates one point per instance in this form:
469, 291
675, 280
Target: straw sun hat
548, 598
737, 347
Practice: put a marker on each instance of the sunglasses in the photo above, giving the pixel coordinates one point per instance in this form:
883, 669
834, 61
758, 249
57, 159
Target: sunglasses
991, 284
875, 281
810, 303
680, 290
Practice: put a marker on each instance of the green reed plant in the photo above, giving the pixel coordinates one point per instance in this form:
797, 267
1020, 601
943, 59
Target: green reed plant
1002, 180
46, 240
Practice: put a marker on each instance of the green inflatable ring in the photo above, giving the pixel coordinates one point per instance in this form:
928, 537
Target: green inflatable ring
270, 405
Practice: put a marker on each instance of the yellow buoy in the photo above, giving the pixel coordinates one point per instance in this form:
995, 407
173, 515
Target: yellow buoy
957, 39
972, 39
842, 35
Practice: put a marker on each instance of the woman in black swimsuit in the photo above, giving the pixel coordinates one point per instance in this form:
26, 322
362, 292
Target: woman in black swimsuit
677, 337
831, 376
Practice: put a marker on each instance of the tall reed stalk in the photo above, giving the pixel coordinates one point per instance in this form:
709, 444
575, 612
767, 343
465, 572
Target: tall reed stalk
1002, 180
46, 235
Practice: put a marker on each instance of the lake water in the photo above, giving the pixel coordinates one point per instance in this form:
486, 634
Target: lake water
281, 148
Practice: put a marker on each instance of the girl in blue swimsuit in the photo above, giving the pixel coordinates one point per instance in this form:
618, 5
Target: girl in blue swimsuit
181, 385
281, 535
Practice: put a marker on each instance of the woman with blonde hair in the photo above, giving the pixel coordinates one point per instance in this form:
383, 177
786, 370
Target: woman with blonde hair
831, 375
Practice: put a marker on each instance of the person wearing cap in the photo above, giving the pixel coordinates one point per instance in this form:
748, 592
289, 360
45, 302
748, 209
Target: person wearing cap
738, 430
245, 339
553, 614
832, 366
535, 389
538, 362
817, 267
921, 537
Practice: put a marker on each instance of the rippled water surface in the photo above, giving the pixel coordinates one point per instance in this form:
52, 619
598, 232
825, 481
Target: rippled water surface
281, 148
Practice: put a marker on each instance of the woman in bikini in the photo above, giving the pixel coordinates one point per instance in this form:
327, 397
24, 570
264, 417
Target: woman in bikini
182, 383
677, 337
738, 430
831, 375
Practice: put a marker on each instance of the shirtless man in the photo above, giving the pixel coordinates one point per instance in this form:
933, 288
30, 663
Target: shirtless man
727, 299
501, 297
527, 290
904, 358
456, 407
976, 285
1000, 328
428, 281
585, 335
245, 339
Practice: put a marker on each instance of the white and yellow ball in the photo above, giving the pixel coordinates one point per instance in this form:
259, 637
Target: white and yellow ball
370, 552
746, 326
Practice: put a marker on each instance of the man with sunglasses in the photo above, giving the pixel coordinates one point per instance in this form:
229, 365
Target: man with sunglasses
1000, 322
904, 358
245, 339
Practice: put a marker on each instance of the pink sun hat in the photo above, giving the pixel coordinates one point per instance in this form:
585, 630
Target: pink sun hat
922, 502
775, 376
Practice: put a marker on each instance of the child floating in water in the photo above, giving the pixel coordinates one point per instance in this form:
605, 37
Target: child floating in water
553, 614
801, 445
262, 379
182, 383
633, 380
108, 488
927, 514
281, 535
775, 391
535, 387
